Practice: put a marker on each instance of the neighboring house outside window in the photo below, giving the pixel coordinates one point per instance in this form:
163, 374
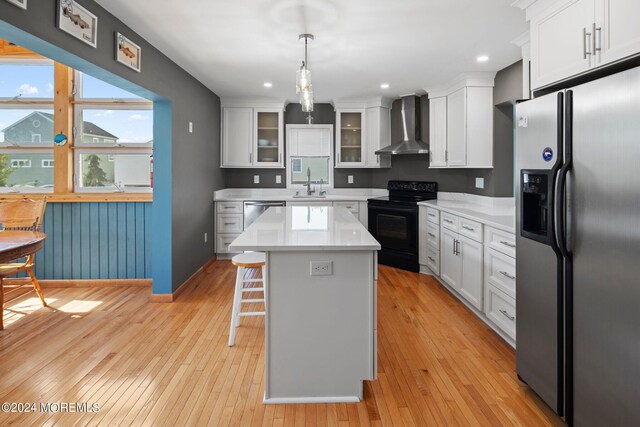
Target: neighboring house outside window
22, 129
20, 163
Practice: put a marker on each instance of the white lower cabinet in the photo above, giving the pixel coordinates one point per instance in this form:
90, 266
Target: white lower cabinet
470, 252
475, 260
451, 262
501, 310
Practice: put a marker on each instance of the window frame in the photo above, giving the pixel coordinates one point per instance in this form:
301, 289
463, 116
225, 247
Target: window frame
21, 105
77, 168
78, 116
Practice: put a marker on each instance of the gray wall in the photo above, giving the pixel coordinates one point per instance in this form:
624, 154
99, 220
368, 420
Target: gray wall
191, 160
498, 181
323, 114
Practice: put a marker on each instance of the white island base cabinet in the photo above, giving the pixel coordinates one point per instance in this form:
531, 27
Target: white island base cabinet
320, 330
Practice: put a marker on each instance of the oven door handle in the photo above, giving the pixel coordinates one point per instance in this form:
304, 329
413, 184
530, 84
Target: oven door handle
395, 209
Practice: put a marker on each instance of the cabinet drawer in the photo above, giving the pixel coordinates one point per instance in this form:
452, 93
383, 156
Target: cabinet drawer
501, 310
500, 271
450, 222
223, 241
433, 215
501, 241
228, 223
471, 229
433, 235
229, 207
433, 260
352, 206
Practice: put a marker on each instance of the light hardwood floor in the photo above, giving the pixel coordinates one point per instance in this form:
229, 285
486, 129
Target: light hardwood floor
169, 364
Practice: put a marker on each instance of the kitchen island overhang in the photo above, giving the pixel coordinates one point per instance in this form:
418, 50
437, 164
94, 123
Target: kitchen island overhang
320, 323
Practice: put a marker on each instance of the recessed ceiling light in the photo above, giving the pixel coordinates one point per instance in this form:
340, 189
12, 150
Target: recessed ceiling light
267, 84
384, 86
483, 58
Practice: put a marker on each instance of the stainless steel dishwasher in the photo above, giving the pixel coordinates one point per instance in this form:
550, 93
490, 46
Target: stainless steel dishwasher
253, 210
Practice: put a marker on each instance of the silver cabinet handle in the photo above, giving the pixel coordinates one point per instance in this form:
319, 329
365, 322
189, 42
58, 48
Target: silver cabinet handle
454, 247
431, 215
432, 235
432, 260
468, 228
228, 207
585, 52
505, 274
594, 31
511, 245
250, 158
280, 158
448, 221
506, 314
229, 223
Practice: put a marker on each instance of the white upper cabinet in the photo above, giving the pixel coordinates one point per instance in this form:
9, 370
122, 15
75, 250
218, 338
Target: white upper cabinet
350, 138
252, 136
237, 137
268, 141
570, 37
362, 128
561, 42
438, 132
457, 128
620, 32
461, 123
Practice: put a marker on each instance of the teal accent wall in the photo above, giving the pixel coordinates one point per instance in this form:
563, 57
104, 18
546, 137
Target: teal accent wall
96, 241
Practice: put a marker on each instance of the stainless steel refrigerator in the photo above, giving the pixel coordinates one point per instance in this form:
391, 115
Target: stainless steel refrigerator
578, 250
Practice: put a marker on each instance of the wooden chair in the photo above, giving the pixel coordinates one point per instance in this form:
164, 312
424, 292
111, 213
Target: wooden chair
24, 214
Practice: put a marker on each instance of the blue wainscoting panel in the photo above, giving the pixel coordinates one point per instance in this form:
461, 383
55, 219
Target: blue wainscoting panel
96, 241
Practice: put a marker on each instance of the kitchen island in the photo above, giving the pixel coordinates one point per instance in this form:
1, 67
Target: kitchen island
320, 323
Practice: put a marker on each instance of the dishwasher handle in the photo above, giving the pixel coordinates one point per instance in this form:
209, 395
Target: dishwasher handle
264, 203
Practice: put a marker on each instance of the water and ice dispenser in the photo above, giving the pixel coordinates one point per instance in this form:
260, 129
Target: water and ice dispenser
536, 193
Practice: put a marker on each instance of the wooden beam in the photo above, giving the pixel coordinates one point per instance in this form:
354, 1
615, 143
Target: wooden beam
63, 123
9, 50
82, 197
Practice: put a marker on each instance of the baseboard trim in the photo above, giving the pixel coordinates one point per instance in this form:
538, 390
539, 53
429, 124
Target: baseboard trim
82, 283
164, 298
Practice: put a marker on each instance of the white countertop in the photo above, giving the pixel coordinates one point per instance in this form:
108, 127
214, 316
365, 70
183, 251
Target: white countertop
286, 194
498, 213
305, 228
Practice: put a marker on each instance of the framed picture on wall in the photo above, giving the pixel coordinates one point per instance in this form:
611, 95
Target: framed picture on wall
22, 4
128, 53
78, 21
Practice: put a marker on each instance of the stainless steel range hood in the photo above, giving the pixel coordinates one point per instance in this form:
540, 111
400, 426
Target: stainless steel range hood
411, 144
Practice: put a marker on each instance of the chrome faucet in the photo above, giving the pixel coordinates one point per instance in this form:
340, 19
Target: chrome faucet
309, 190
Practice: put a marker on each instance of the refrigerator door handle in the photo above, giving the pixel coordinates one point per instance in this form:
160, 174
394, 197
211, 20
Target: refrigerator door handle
561, 180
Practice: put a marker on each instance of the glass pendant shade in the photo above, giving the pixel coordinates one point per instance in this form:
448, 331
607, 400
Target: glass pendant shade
303, 79
306, 100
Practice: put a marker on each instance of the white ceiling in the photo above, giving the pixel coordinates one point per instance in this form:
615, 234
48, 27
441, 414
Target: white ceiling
234, 46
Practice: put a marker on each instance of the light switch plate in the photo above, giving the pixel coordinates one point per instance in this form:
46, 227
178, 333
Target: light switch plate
479, 182
350, 179
278, 179
205, 237
190, 127
321, 268
256, 179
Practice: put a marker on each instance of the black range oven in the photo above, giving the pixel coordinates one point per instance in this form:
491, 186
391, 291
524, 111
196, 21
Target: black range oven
393, 221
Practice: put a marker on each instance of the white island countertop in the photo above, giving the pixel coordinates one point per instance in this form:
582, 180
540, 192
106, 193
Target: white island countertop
305, 228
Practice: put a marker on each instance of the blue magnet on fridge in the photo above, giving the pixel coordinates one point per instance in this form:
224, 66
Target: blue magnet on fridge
547, 154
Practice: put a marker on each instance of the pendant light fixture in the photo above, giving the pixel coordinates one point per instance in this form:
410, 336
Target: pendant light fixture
303, 78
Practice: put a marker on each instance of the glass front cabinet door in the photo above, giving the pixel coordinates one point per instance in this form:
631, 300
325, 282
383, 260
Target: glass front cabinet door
350, 138
268, 146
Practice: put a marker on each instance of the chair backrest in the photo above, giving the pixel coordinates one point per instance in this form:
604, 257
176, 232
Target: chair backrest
23, 214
